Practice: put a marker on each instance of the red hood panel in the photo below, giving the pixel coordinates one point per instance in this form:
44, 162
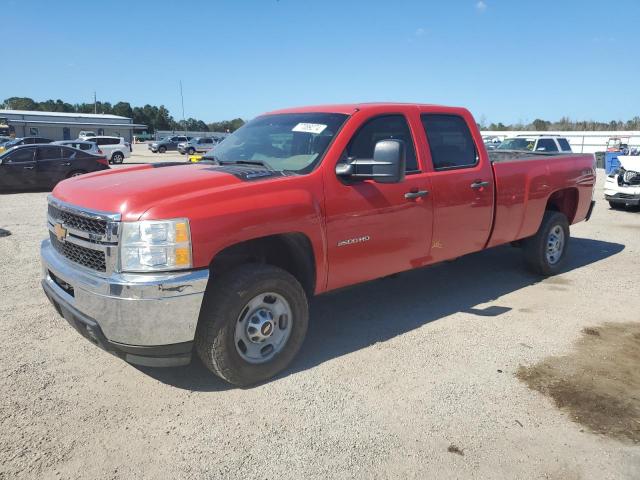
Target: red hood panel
131, 191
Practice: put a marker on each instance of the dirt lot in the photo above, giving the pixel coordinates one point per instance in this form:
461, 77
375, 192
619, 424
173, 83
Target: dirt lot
406, 377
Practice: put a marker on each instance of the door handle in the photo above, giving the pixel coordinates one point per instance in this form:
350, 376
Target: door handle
68, 164
477, 185
28, 168
416, 194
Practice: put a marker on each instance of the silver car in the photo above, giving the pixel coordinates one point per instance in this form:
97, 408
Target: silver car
90, 147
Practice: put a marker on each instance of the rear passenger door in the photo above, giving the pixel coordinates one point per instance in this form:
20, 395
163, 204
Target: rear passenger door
462, 186
52, 167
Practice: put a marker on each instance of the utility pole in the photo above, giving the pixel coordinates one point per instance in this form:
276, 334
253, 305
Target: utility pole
184, 122
95, 105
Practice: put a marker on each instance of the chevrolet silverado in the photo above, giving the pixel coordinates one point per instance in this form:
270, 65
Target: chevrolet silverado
155, 262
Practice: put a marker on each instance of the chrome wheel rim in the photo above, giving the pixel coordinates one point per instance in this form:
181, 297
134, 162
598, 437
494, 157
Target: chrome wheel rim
555, 245
263, 327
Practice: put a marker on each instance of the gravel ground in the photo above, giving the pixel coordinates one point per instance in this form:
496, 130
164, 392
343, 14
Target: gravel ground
405, 377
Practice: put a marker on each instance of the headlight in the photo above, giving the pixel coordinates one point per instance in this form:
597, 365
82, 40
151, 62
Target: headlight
155, 245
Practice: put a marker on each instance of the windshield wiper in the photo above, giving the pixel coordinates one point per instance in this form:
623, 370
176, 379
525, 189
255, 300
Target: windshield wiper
245, 162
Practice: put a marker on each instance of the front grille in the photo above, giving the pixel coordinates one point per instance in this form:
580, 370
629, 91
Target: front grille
93, 259
78, 222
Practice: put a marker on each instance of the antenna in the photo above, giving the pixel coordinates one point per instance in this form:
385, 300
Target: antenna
184, 123
95, 105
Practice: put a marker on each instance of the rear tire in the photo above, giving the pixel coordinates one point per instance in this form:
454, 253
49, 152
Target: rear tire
117, 157
227, 310
76, 173
545, 252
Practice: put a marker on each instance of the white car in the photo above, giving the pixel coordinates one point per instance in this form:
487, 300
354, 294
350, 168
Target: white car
85, 134
622, 186
114, 148
540, 143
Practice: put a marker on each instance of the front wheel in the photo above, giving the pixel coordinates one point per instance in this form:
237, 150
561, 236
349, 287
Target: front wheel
252, 324
191, 151
545, 252
616, 205
162, 149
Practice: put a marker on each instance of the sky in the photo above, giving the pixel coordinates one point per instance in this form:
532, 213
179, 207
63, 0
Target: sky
506, 60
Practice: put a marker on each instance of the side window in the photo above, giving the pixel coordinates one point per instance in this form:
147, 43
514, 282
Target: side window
450, 141
22, 155
386, 127
546, 145
208, 140
48, 153
67, 153
113, 141
564, 145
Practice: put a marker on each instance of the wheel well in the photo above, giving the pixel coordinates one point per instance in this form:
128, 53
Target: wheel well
564, 201
291, 251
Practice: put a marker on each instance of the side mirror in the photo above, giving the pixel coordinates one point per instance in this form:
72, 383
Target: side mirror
387, 166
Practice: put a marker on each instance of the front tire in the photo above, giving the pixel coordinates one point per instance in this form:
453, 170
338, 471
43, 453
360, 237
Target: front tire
616, 205
191, 151
162, 149
252, 323
545, 253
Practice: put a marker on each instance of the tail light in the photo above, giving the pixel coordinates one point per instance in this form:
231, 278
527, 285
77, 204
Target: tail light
102, 161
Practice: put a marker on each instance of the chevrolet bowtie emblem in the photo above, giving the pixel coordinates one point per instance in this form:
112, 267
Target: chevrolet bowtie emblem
61, 232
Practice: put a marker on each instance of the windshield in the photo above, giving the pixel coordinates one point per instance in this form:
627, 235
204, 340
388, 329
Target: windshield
289, 141
517, 144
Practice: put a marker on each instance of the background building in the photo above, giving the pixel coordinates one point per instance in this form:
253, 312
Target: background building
66, 126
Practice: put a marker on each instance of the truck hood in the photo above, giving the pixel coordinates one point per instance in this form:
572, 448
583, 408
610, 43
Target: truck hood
131, 191
630, 163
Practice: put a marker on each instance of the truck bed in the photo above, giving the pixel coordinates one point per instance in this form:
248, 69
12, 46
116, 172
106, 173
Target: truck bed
526, 182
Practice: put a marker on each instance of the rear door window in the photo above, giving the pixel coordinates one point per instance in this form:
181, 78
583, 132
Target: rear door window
48, 153
564, 145
67, 153
450, 141
546, 145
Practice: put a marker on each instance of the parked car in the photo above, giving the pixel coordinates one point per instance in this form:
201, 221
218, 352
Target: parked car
198, 144
540, 143
221, 259
43, 166
4, 139
622, 187
24, 141
90, 147
115, 148
85, 134
168, 143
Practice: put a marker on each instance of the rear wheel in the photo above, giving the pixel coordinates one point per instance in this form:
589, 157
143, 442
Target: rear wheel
252, 324
117, 157
76, 173
545, 252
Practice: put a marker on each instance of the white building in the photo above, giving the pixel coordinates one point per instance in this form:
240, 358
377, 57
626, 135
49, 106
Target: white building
66, 126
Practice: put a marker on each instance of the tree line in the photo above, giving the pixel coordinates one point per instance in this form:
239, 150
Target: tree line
565, 124
155, 118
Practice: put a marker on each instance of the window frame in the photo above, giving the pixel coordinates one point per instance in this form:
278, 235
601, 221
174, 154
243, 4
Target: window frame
377, 117
473, 141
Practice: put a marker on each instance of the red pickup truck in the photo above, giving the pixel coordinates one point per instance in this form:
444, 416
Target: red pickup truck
154, 262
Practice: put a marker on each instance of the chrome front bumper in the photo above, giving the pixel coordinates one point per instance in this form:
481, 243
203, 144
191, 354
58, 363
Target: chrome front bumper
130, 310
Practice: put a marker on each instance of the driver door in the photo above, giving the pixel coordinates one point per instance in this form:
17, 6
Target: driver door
19, 169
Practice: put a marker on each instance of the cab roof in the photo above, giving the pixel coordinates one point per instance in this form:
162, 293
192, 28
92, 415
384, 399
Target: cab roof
350, 108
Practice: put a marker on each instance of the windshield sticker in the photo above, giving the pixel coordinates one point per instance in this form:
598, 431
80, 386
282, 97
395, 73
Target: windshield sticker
316, 128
